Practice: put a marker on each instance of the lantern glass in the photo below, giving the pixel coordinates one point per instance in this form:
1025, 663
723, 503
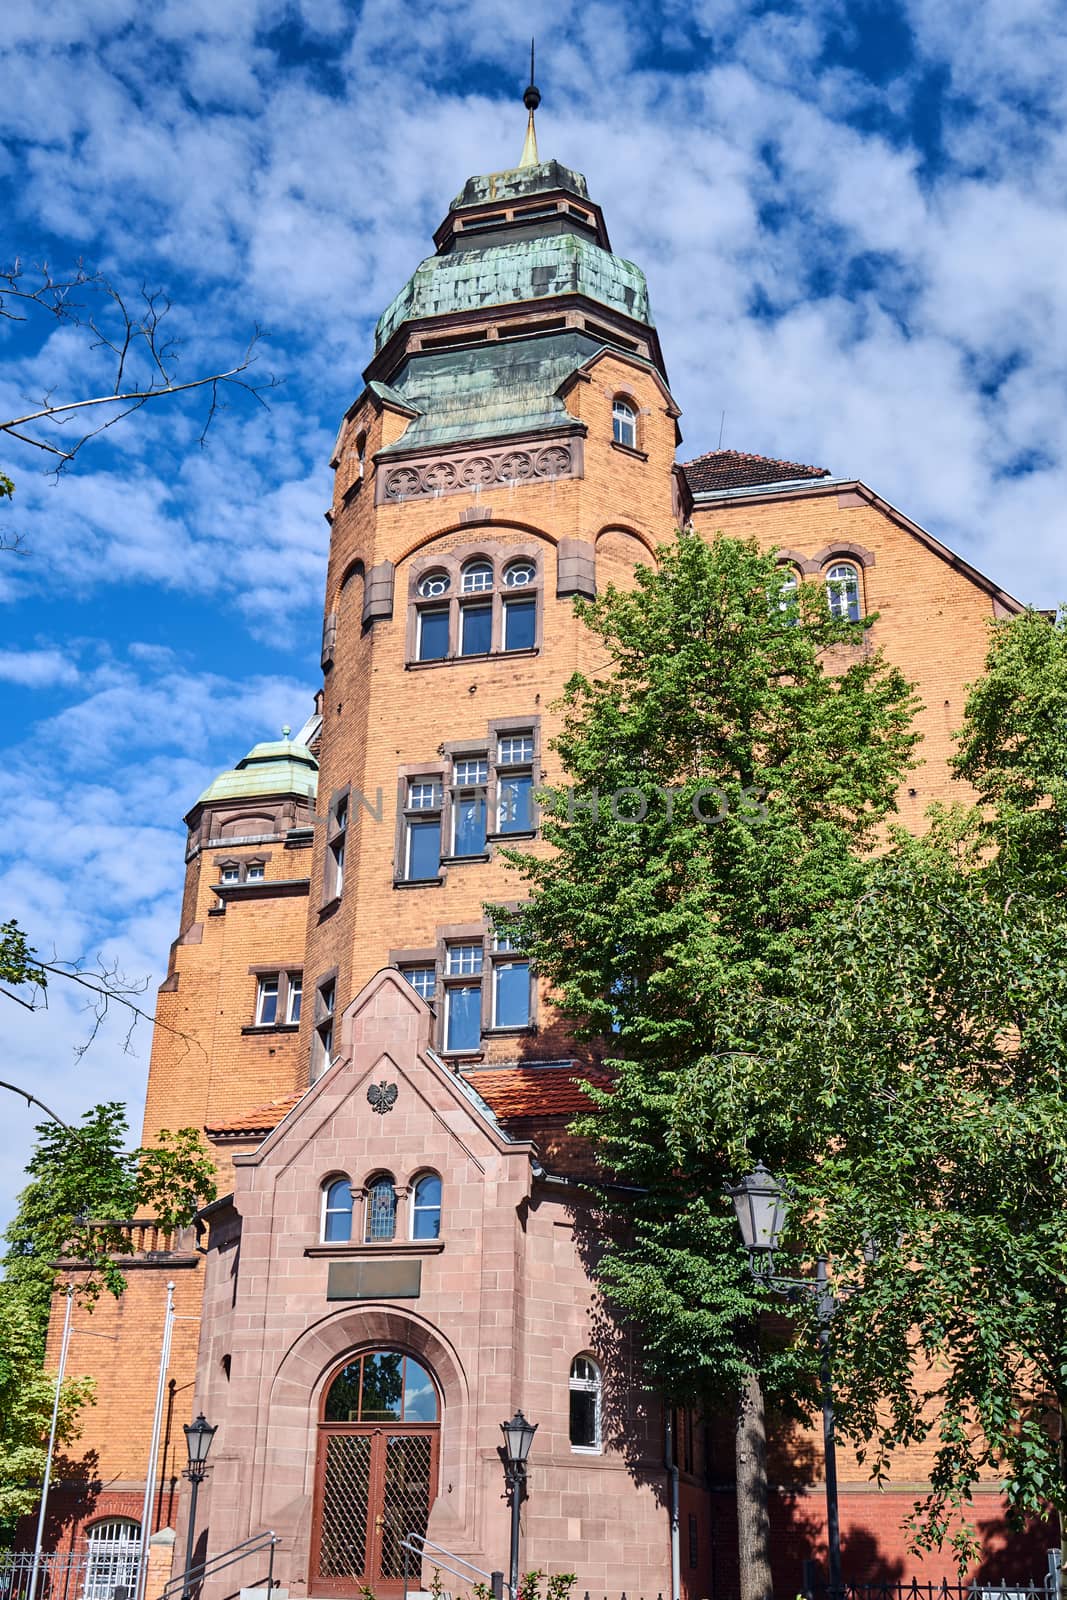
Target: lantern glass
762, 1208
198, 1437
518, 1437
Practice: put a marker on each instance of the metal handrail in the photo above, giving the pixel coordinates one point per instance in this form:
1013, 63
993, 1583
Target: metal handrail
417, 1545
226, 1558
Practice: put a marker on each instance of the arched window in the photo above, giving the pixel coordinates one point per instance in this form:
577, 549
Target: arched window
381, 1386
788, 590
361, 452
477, 577
426, 1207
381, 1209
114, 1557
432, 584
843, 591
624, 423
337, 1211
585, 1404
519, 574
376, 1473
475, 607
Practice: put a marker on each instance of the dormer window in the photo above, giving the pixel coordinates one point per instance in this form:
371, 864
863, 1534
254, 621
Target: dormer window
624, 423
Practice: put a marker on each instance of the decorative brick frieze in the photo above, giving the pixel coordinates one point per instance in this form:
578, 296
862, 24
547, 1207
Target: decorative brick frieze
468, 471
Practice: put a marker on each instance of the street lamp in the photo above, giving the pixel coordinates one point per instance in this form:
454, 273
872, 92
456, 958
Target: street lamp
762, 1206
518, 1437
198, 1437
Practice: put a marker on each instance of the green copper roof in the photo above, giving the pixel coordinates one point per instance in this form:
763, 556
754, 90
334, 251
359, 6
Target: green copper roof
489, 390
530, 269
276, 767
520, 182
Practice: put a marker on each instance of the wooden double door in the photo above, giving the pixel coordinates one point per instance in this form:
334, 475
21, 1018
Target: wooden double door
375, 1487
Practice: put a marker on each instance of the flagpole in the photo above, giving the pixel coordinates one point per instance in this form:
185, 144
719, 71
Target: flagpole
63, 1348
153, 1452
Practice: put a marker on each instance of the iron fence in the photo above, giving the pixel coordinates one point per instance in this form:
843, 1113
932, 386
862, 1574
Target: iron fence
914, 1590
68, 1575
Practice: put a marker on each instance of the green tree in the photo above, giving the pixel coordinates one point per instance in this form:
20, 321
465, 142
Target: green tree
926, 1039
730, 767
83, 1185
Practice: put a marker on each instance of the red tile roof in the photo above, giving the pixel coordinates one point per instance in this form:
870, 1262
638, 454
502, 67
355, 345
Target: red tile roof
535, 1091
733, 469
510, 1092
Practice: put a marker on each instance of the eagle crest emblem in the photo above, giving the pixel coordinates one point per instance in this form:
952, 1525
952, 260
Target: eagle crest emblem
382, 1096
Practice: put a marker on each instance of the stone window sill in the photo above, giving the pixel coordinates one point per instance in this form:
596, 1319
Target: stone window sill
630, 450
511, 1031
420, 883
272, 1027
461, 861
390, 1247
508, 838
488, 655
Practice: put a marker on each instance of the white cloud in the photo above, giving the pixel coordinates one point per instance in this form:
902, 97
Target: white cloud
37, 669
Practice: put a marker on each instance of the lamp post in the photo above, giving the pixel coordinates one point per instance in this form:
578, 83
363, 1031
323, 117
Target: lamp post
762, 1207
518, 1437
198, 1437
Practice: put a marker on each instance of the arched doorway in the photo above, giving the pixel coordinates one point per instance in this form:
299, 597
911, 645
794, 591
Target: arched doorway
376, 1472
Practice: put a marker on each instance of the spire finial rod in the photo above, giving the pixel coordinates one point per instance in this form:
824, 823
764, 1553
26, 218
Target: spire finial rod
531, 100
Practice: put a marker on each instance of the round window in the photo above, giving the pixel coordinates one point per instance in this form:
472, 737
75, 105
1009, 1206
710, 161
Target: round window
433, 583
519, 574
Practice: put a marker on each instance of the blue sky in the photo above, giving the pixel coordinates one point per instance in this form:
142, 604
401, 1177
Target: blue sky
853, 222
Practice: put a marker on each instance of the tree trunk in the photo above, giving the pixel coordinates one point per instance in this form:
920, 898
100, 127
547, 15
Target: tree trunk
753, 1522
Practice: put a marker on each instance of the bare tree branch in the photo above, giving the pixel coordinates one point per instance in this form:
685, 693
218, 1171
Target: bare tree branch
144, 357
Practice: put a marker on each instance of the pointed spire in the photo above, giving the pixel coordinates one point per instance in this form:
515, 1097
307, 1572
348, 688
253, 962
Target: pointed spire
531, 100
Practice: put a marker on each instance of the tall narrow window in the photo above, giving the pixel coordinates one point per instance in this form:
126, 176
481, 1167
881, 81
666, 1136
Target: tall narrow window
511, 994
325, 1000
267, 1002
624, 424
470, 775
114, 1558
422, 830
337, 1212
520, 624
293, 997
335, 851
585, 1404
843, 591
514, 786
432, 640
381, 1209
426, 1207
476, 629
788, 591
463, 997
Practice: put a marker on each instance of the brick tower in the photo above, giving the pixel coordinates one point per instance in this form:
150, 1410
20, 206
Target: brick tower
512, 447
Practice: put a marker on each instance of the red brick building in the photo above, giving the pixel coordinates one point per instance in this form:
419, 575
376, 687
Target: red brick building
401, 1257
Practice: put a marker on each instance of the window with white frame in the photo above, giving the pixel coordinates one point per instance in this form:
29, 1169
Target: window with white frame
477, 607
336, 839
463, 996
114, 1558
511, 994
322, 1049
423, 979
421, 842
476, 577
337, 1211
242, 871
624, 423
230, 873
267, 1002
788, 595
256, 872
426, 1207
843, 592
470, 779
277, 999
585, 1409
515, 783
